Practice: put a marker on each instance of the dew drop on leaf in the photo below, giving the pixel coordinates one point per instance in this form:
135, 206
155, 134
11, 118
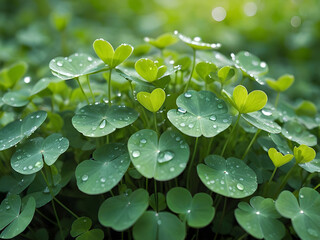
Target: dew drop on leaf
102, 179
103, 123
143, 141
165, 156
266, 112
60, 64
220, 105
312, 232
84, 178
213, 118
135, 154
181, 110
188, 95
240, 186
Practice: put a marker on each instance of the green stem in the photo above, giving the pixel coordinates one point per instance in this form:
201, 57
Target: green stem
66, 208
45, 217
89, 85
273, 173
285, 179
147, 184
109, 87
192, 70
222, 216
250, 144
155, 122
156, 194
84, 94
111, 193
315, 188
277, 99
192, 160
209, 147
266, 187
230, 135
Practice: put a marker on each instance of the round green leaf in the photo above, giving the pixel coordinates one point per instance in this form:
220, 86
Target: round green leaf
29, 157
162, 205
158, 226
305, 215
200, 113
198, 210
9, 209
196, 43
251, 65
15, 131
306, 108
121, 212
121, 54
260, 218
162, 159
261, 121
110, 162
80, 225
18, 98
297, 133
205, 69
162, 41
99, 119
21, 221
76, 65
147, 69
312, 166
230, 177
43, 83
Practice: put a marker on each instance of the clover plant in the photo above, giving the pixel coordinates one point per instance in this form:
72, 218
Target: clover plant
176, 145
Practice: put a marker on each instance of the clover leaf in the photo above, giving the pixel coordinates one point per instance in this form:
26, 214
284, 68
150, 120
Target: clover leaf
15, 183
225, 74
304, 154
12, 221
277, 158
110, 162
250, 65
259, 218
282, 83
99, 119
162, 41
121, 212
229, 177
162, 159
80, 226
246, 103
196, 43
197, 211
205, 69
10, 75
158, 226
29, 157
149, 70
306, 108
260, 121
297, 133
76, 65
200, 113
16, 131
152, 101
304, 215
18, 98
108, 55
313, 165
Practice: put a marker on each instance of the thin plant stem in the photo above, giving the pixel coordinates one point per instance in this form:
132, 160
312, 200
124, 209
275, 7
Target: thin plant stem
66, 208
89, 85
273, 173
84, 94
111, 193
222, 216
315, 188
266, 188
156, 195
147, 184
192, 70
250, 144
209, 147
155, 122
192, 160
277, 100
109, 87
230, 135
45, 217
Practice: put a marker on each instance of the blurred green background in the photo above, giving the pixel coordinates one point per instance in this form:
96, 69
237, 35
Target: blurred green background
285, 34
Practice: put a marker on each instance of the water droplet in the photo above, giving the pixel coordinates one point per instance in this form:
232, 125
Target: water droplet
60, 64
143, 141
8, 207
182, 124
165, 156
30, 167
84, 178
102, 179
189, 211
188, 95
312, 232
257, 212
301, 196
301, 211
263, 64
38, 164
103, 123
89, 59
27, 79
178, 139
213, 118
222, 182
191, 125
225, 120
220, 105
171, 169
240, 186
135, 154
266, 112
181, 110
182, 165
159, 222
46, 190
214, 126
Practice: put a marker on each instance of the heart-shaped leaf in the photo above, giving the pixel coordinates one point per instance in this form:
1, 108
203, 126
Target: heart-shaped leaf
304, 215
200, 113
225, 74
110, 162
297, 133
10, 214
312, 166
149, 70
17, 98
12, 74
230, 177
306, 108
260, 121
162, 159
277, 158
282, 83
245, 103
152, 101
205, 69
76, 65
80, 226
121, 212
198, 210
251, 65
259, 219
29, 157
106, 53
15, 183
162, 205
196, 43
15, 131
99, 119
304, 154
158, 226
162, 41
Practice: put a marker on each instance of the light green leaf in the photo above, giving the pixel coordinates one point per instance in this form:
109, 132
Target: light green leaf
104, 51
162, 41
205, 70
152, 101
277, 158
282, 83
196, 43
304, 154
